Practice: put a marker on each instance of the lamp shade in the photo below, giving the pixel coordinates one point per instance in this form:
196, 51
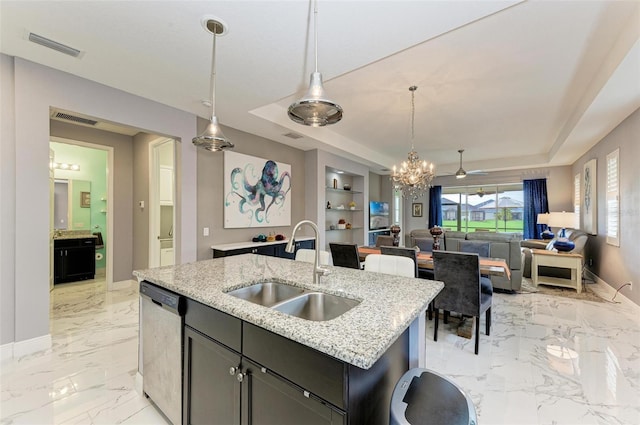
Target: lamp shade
563, 220
543, 218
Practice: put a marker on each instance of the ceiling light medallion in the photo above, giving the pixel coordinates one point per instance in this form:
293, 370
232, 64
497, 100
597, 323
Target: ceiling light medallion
315, 109
212, 138
414, 176
460, 174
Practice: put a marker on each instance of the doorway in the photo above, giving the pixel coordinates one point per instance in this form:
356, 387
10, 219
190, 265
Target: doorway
161, 202
82, 169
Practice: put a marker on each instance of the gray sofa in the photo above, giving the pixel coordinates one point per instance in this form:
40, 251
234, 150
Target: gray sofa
578, 237
501, 245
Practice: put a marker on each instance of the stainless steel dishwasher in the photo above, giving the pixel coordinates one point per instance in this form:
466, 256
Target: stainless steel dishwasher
162, 317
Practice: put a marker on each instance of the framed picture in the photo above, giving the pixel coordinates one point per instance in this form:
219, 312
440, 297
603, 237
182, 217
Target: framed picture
416, 209
257, 192
590, 198
85, 199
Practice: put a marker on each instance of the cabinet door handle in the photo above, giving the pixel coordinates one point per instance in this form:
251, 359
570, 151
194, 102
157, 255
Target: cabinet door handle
240, 377
233, 370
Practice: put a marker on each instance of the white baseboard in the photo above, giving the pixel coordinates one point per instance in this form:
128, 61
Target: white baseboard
122, 284
30, 346
607, 291
138, 383
6, 352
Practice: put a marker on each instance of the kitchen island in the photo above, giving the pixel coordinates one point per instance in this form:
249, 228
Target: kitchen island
283, 368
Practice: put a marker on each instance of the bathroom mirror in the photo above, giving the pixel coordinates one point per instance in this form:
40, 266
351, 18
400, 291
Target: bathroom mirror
72, 204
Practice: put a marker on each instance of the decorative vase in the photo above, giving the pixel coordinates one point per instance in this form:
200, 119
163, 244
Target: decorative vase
436, 232
547, 234
342, 226
347, 187
564, 245
395, 231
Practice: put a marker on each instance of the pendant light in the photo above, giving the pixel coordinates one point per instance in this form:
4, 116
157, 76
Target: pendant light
460, 174
315, 109
212, 138
414, 176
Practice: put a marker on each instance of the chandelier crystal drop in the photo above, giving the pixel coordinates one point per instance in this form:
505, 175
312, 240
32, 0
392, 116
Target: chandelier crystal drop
414, 176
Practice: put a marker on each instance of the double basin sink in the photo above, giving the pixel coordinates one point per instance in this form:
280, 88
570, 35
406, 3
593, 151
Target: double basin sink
295, 301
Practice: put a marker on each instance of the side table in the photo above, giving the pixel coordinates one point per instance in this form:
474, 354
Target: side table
543, 257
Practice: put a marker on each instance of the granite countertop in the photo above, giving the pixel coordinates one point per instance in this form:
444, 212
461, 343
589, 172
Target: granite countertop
73, 236
251, 244
360, 336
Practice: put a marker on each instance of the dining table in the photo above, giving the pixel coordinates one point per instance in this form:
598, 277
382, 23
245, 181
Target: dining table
488, 266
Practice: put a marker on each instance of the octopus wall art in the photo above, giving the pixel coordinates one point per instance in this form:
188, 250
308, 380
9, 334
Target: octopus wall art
256, 192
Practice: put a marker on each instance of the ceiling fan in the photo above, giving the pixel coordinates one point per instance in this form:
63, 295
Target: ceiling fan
461, 173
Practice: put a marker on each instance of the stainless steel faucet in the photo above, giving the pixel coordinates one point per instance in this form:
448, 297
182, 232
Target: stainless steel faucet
317, 270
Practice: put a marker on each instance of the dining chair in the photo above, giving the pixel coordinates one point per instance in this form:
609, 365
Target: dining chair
309, 256
425, 244
389, 264
460, 272
345, 255
483, 249
402, 252
384, 240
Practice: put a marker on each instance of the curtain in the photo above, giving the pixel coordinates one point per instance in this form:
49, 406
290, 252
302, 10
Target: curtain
535, 202
435, 206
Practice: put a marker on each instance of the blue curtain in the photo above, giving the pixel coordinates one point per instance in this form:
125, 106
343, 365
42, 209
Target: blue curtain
535, 202
435, 206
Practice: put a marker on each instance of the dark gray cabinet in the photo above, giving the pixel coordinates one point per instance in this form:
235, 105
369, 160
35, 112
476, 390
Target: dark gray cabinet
74, 259
272, 249
239, 373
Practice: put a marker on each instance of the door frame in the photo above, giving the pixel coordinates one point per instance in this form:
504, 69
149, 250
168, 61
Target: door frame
109, 172
154, 199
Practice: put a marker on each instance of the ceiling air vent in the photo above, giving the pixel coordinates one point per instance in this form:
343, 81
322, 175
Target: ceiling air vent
293, 136
43, 41
73, 118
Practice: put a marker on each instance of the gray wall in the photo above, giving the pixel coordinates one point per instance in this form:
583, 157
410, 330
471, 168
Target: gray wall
8, 197
140, 152
122, 188
617, 265
36, 90
210, 188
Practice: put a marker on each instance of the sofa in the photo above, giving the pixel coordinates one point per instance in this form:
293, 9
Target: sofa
501, 245
578, 237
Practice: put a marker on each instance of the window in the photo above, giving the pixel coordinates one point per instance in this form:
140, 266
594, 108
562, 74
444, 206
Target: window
613, 198
497, 208
576, 194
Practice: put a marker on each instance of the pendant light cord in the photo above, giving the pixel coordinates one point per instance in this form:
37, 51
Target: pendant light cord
315, 30
413, 113
213, 73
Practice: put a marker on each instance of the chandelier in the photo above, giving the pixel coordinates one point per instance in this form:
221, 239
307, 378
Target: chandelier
414, 176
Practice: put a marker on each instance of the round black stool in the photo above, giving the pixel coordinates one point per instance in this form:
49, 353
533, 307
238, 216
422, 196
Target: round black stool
423, 396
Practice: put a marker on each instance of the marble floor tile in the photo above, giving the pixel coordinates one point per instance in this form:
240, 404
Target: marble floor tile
548, 360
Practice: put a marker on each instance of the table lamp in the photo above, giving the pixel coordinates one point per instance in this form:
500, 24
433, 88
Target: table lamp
563, 220
544, 219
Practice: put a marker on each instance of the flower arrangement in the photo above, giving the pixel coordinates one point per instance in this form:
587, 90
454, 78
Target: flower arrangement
352, 205
342, 223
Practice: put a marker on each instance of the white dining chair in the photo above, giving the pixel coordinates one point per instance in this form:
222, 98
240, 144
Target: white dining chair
309, 256
390, 264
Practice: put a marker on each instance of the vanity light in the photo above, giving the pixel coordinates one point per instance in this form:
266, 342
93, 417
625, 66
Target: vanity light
64, 166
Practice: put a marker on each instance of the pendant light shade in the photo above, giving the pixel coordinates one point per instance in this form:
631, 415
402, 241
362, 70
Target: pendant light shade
315, 109
212, 139
460, 174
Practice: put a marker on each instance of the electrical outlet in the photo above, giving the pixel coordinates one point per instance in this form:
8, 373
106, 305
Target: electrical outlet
590, 262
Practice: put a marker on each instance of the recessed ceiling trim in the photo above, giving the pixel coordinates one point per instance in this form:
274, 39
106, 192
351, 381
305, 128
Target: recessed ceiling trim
51, 44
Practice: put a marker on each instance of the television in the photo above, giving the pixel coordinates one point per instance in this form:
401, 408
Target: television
378, 215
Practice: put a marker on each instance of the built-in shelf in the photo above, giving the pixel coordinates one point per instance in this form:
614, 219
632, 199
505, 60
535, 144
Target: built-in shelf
342, 230
330, 189
343, 210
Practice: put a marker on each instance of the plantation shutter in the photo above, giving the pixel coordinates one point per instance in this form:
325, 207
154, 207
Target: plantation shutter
613, 198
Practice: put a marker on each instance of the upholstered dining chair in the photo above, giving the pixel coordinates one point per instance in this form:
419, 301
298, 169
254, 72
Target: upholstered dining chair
460, 272
483, 249
309, 256
389, 264
345, 255
384, 240
402, 252
424, 244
